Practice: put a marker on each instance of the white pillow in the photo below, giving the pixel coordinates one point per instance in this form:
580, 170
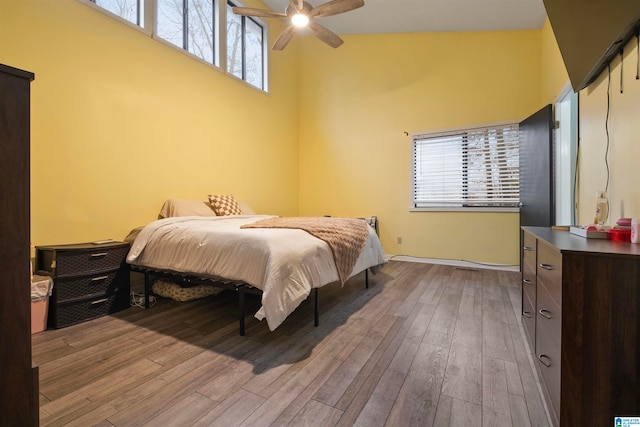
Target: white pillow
245, 208
182, 207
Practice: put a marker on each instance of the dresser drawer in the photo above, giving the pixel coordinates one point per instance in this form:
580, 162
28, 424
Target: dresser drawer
529, 252
548, 344
549, 315
84, 286
529, 289
529, 284
74, 260
529, 322
69, 313
549, 271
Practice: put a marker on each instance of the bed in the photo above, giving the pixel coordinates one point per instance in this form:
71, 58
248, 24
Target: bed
283, 265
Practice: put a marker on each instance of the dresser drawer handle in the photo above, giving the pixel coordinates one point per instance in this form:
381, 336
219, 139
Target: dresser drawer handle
98, 255
527, 314
100, 278
545, 313
546, 266
99, 301
527, 248
527, 282
542, 359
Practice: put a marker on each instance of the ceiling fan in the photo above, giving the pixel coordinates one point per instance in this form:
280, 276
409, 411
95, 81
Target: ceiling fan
302, 14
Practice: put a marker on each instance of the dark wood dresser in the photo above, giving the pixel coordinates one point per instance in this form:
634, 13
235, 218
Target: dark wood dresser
18, 379
581, 315
89, 280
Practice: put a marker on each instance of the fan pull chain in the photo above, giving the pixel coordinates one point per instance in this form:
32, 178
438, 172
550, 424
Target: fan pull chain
621, 67
637, 55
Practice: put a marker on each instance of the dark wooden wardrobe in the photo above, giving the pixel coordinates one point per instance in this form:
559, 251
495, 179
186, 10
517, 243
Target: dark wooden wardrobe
18, 379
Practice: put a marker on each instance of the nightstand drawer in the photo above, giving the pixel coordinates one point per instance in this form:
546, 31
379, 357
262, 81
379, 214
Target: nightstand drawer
74, 260
83, 286
89, 280
70, 313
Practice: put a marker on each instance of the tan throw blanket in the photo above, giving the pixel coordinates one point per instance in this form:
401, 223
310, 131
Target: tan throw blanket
345, 236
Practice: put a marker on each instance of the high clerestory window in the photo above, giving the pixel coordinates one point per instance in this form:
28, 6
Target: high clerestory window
188, 24
131, 10
192, 25
466, 169
245, 47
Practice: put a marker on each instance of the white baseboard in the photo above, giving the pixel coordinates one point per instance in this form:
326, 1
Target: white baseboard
454, 262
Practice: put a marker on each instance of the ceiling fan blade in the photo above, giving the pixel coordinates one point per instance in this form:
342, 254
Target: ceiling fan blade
263, 13
296, 4
335, 7
284, 38
325, 35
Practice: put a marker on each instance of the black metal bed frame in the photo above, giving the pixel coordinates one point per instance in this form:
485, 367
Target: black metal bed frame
240, 287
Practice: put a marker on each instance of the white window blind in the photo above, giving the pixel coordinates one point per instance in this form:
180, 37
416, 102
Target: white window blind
474, 168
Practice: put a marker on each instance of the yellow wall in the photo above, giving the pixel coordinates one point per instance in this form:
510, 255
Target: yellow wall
624, 148
357, 102
121, 122
554, 74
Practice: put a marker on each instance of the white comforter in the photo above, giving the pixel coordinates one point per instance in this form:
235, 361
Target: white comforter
284, 263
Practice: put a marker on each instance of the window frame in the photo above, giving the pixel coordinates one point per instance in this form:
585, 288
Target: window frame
148, 25
141, 7
451, 131
148, 15
264, 49
187, 41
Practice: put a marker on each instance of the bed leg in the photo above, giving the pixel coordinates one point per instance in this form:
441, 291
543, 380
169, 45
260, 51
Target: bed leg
241, 308
366, 278
147, 289
316, 314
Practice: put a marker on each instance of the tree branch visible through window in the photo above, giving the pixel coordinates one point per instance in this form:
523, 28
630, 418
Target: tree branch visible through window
191, 25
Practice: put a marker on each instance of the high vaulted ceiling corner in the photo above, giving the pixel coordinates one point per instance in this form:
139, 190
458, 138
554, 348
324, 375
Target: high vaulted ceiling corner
408, 16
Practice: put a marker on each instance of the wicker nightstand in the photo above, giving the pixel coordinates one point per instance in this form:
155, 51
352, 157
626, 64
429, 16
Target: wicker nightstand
89, 280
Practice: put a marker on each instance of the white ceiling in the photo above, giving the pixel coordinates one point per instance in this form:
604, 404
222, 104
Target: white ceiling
407, 16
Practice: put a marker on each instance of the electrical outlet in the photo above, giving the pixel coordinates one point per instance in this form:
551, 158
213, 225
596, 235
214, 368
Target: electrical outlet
399, 240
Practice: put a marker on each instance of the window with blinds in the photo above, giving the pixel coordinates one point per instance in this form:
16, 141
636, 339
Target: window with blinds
467, 168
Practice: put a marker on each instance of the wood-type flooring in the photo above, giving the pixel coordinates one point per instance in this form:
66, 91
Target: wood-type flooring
424, 345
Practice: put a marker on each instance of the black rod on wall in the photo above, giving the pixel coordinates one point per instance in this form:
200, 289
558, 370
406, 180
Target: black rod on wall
621, 66
637, 55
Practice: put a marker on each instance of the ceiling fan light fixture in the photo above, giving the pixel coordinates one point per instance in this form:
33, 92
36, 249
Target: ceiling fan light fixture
300, 20
302, 14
